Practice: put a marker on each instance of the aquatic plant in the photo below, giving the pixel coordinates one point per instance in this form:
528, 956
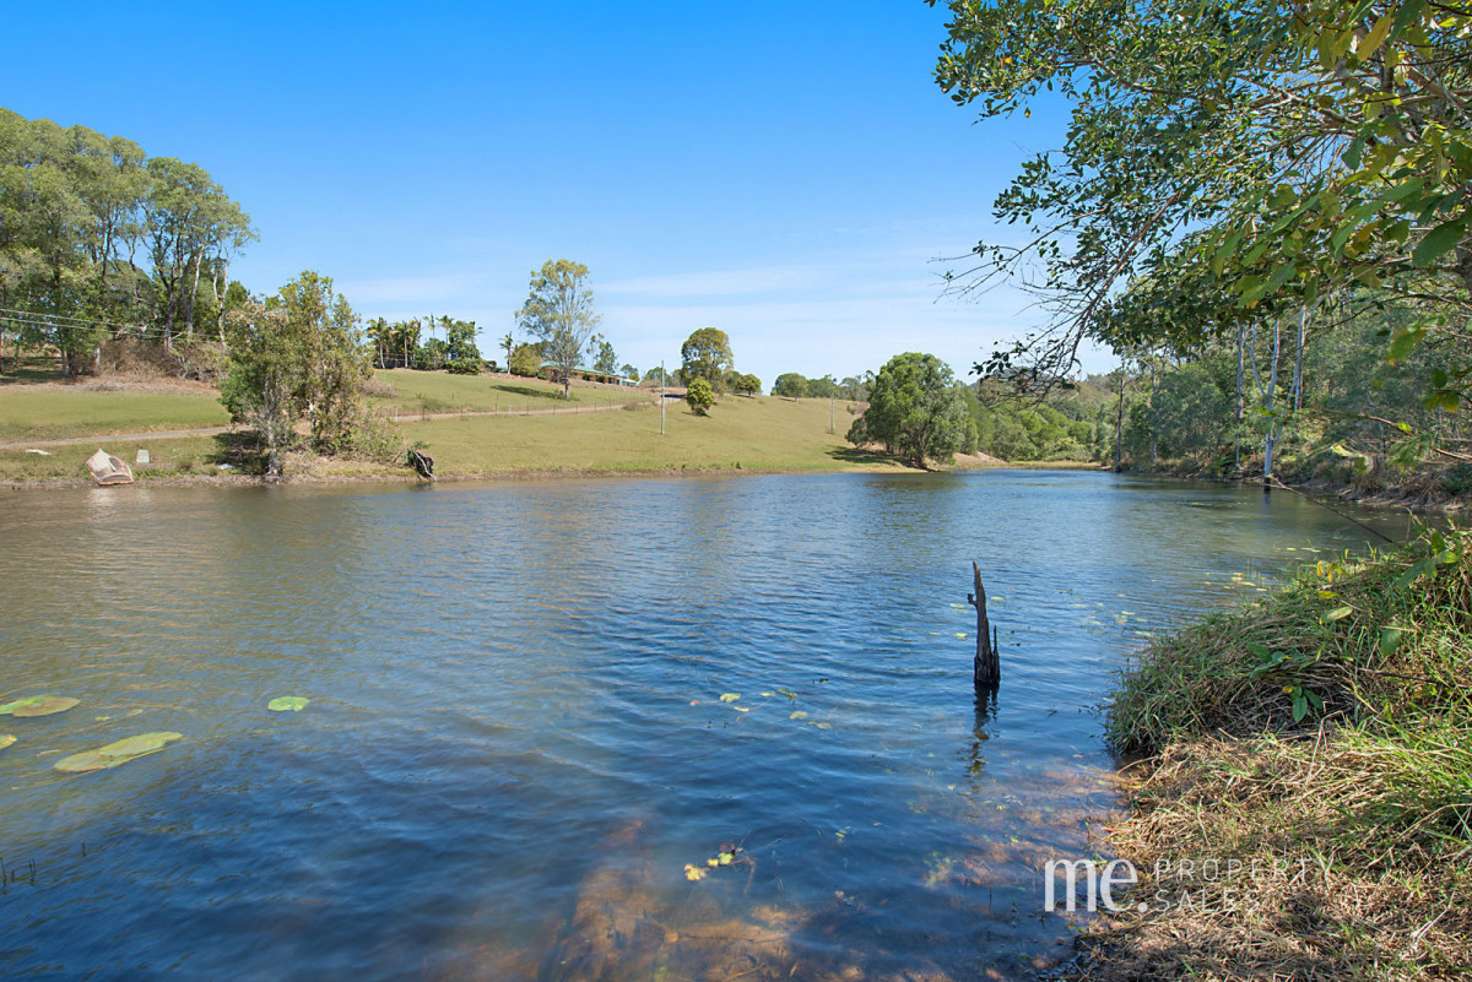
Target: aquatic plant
117, 753
38, 706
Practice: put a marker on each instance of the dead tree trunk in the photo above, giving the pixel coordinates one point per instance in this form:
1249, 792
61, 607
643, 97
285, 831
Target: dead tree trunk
986, 670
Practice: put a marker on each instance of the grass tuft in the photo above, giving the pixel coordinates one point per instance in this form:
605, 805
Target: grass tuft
1322, 741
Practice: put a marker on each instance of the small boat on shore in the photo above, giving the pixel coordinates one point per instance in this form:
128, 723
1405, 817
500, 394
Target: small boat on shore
107, 469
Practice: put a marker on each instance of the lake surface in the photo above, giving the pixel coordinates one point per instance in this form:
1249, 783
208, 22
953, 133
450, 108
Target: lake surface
517, 741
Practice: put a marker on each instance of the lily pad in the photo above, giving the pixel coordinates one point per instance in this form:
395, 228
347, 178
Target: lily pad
38, 706
288, 704
6, 740
117, 753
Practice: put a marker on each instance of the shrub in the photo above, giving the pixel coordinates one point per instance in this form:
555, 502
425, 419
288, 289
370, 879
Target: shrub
525, 360
700, 396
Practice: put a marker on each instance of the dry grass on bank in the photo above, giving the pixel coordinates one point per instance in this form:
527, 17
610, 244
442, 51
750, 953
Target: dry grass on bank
1351, 826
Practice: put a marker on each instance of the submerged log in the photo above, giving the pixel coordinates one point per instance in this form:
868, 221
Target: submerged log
986, 669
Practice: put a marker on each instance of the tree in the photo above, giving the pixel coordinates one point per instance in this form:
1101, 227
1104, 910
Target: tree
706, 354
326, 328
700, 395
381, 333
916, 410
559, 313
508, 345
656, 376
823, 388
526, 360
298, 354
790, 385
604, 358
263, 386
1226, 166
461, 352
745, 384
629, 372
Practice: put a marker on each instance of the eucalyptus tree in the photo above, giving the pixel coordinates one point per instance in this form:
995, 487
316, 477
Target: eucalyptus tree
1280, 153
605, 359
187, 219
706, 354
559, 313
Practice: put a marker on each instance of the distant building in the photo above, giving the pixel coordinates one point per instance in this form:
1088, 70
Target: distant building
552, 373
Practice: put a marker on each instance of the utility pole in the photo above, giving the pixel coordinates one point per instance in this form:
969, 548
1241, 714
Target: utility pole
662, 381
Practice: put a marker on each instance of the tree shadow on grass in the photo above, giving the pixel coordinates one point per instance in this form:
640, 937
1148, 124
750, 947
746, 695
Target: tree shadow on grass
241, 450
864, 455
30, 371
527, 390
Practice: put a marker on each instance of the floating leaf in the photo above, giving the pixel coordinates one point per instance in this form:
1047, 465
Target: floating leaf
117, 753
6, 740
742, 709
797, 714
38, 706
694, 873
730, 696
726, 858
288, 704
961, 635
766, 695
824, 726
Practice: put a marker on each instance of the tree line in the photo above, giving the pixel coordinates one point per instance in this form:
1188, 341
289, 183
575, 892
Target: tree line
1264, 209
97, 238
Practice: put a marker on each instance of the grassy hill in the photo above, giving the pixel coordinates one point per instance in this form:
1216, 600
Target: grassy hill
37, 406
603, 430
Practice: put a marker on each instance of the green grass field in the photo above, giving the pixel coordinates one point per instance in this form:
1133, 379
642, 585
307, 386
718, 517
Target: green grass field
760, 434
36, 406
441, 392
51, 411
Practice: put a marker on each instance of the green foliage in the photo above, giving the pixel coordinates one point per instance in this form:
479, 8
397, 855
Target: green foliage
462, 354
744, 384
915, 410
559, 313
605, 359
790, 385
76, 207
700, 395
298, 354
706, 354
526, 360
1226, 165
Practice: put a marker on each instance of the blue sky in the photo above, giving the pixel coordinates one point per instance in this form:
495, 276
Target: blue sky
786, 172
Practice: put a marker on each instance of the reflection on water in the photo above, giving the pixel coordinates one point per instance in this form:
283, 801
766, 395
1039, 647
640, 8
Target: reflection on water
517, 742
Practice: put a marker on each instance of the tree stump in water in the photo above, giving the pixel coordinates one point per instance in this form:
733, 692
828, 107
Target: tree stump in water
986, 670
423, 463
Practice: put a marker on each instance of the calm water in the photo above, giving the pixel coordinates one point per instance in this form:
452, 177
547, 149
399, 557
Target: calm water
516, 739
